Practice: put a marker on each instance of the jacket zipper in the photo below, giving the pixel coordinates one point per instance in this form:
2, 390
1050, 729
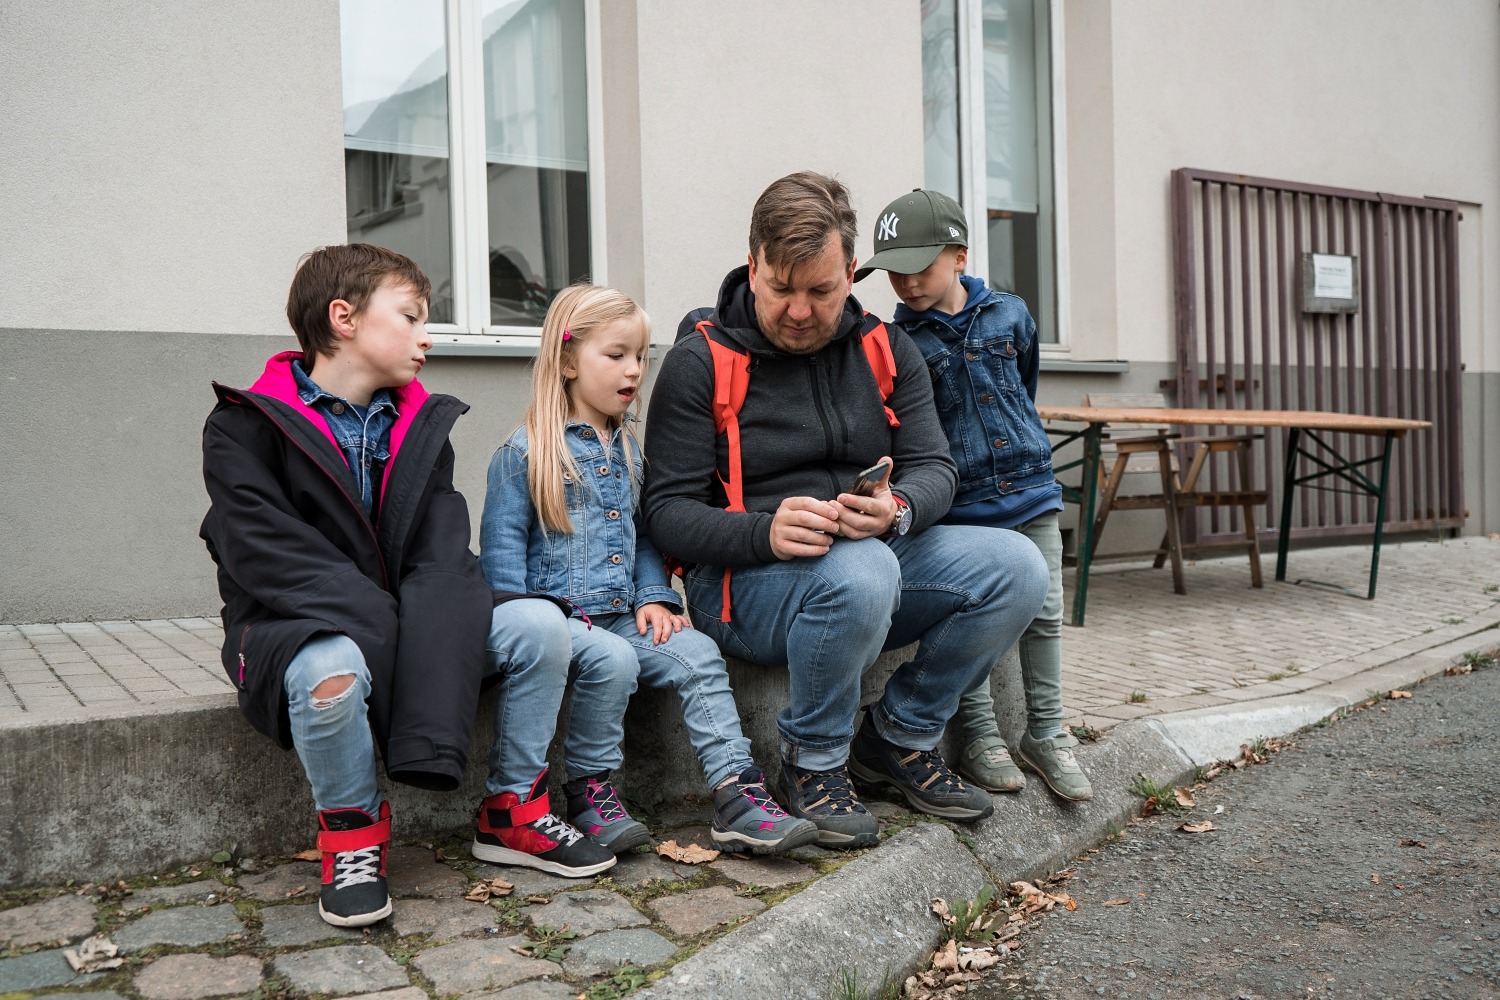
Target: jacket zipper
243, 633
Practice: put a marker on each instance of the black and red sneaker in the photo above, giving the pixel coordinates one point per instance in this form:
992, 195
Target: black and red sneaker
526, 834
353, 843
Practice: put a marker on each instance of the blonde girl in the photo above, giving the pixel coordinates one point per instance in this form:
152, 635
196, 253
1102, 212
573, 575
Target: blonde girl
560, 519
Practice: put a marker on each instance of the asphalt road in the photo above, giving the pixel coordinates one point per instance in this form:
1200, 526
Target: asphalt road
1362, 862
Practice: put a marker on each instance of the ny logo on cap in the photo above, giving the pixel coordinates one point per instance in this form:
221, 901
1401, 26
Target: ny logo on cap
888, 227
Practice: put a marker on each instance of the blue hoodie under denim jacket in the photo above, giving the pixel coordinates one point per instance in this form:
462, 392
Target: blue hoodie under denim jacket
606, 565
984, 368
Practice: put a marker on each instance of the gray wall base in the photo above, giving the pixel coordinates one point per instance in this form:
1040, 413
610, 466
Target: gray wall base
95, 796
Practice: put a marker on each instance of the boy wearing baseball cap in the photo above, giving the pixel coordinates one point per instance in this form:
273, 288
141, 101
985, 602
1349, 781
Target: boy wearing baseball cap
981, 348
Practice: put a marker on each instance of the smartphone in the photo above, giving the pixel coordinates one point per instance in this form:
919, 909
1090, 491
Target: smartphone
864, 486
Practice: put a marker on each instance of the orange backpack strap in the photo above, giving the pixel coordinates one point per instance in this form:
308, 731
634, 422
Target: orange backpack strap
731, 382
876, 340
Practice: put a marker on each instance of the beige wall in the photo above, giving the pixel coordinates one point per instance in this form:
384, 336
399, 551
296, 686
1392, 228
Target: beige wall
1401, 96
166, 164
732, 96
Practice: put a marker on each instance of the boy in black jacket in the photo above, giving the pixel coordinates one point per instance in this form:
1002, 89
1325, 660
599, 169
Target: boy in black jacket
352, 603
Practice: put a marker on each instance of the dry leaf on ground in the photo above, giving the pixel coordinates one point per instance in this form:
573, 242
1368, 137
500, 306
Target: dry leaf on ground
538, 899
1374, 879
1398, 693
299, 890
1035, 900
1458, 669
94, 954
1117, 902
690, 854
483, 891
1405, 842
1185, 798
1203, 827
311, 854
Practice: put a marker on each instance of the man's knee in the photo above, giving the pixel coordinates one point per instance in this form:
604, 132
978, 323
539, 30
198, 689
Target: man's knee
864, 576
325, 670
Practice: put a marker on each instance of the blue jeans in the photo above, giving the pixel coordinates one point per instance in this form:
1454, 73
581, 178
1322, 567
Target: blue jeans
1040, 651
332, 735
964, 594
603, 663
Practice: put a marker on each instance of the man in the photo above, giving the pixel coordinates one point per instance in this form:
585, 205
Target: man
819, 578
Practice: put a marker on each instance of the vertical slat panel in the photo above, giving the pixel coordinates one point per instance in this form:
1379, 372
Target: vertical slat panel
1245, 341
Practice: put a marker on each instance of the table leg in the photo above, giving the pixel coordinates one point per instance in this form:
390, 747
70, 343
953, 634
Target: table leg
1288, 489
1385, 474
1090, 487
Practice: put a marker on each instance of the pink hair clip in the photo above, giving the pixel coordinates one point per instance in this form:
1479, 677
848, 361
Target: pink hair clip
567, 333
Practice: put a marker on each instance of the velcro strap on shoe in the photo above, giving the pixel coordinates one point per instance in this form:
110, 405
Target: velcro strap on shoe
523, 813
339, 841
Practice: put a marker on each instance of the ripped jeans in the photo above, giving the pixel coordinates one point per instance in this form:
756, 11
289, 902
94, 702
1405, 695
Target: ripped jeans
332, 736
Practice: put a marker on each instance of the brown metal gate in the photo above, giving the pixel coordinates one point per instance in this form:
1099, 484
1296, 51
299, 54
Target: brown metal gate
1243, 340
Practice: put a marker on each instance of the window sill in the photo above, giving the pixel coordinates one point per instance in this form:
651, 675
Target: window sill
1085, 367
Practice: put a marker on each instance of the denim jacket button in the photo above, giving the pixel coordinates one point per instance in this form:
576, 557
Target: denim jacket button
971, 356
338, 409
613, 515
987, 398
603, 470
1005, 484
616, 558
1000, 442
587, 432
617, 602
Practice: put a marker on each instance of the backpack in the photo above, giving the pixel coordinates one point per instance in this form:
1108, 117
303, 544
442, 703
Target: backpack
732, 381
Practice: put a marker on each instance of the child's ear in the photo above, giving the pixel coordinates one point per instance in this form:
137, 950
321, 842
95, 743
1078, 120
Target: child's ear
961, 259
341, 318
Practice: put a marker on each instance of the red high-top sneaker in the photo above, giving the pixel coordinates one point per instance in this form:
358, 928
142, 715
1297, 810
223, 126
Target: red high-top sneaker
513, 832
353, 844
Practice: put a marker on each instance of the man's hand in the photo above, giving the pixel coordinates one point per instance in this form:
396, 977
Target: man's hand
804, 527
866, 517
660, 619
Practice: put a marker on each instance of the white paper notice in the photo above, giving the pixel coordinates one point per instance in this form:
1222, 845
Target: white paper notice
1333, 276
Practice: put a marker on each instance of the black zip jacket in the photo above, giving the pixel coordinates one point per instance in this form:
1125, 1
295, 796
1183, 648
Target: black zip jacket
809, 424
298, 557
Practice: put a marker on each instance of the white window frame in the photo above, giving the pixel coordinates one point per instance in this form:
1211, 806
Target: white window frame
973, 170
472, 333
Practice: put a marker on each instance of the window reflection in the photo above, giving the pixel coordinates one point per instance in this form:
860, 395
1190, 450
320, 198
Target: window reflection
396, 167
536, 153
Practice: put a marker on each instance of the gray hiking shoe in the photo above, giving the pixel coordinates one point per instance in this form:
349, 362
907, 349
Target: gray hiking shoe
1053, 759
747, 818
986, 762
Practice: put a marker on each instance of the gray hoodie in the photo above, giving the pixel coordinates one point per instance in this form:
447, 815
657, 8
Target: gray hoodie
809, 424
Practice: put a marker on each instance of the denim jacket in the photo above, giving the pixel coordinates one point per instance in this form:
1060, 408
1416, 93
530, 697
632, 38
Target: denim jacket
607, 565
984, 371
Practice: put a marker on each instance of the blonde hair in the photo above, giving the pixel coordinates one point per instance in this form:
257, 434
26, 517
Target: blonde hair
575, 314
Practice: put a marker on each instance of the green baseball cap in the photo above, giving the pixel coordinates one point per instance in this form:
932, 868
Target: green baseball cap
913, 230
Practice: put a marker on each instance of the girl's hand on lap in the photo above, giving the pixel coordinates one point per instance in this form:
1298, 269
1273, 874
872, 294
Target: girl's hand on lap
661, 621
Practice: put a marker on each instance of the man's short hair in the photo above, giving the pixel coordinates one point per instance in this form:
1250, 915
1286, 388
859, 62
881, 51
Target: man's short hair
351, 272
793, 217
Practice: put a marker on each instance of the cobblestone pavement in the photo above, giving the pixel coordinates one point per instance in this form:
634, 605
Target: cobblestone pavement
250, 926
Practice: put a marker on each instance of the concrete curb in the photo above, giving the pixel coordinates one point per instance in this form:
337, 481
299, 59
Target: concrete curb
878, 904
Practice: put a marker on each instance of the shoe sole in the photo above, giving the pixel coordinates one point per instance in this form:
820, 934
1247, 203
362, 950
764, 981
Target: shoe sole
734, 842
1026, 762
357, 920
1003, 789
520, 859
875, 778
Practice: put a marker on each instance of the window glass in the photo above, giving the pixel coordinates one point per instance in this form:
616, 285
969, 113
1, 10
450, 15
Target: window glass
1018, 154
536, 154
940, 96
395, 69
